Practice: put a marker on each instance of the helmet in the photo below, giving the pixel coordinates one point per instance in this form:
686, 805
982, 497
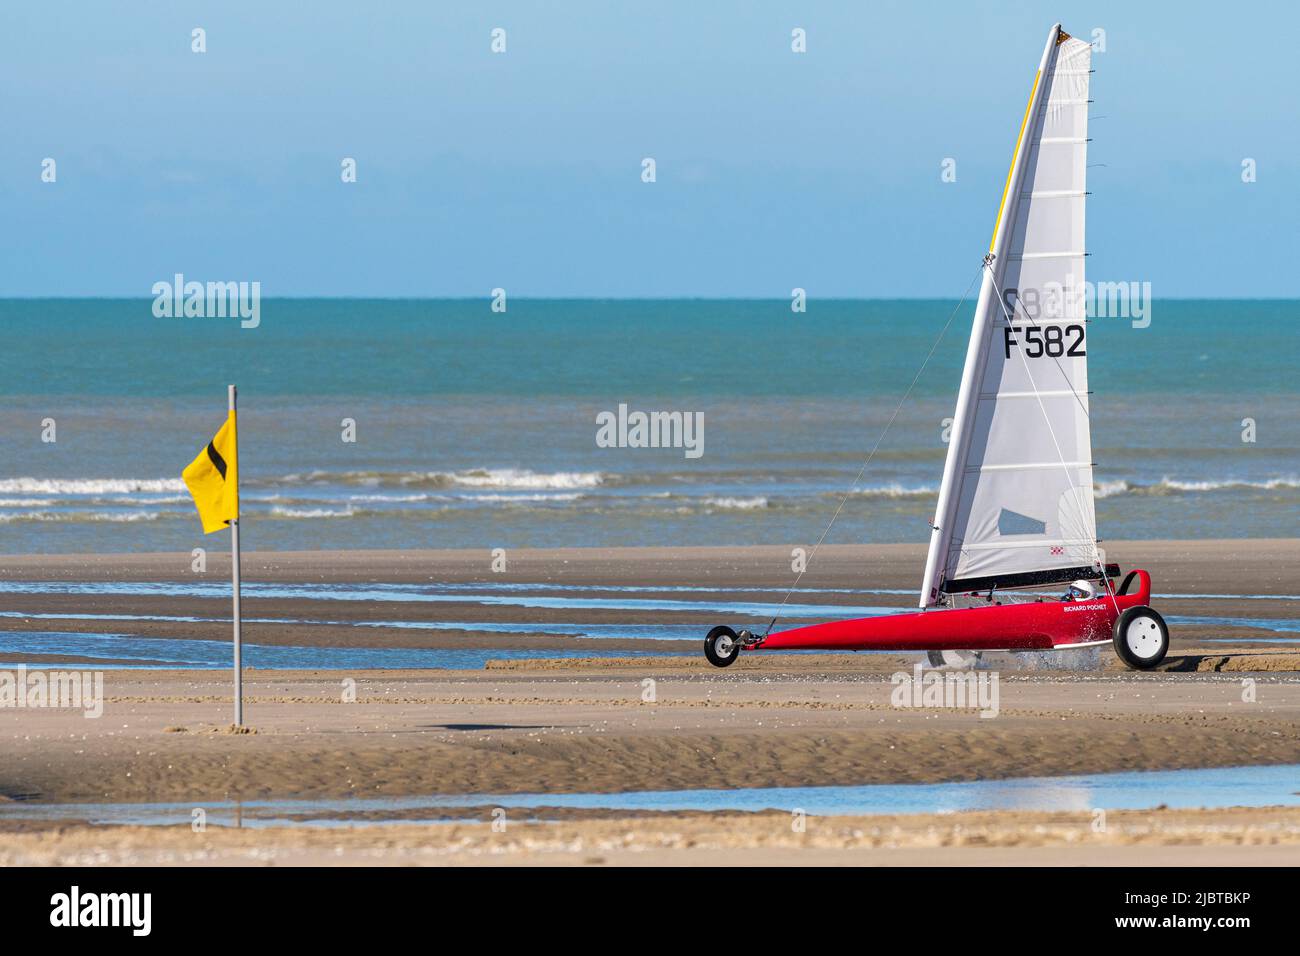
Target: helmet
1082, 590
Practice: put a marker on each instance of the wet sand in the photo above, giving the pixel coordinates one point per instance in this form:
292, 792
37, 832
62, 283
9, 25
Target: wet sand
1248, 565
1266, 569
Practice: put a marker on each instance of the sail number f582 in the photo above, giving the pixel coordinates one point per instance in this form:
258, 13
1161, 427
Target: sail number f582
1053, 341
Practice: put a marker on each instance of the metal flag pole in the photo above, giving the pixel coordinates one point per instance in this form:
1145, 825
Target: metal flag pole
234, 577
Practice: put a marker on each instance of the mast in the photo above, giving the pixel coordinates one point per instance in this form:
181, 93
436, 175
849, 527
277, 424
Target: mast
986, 311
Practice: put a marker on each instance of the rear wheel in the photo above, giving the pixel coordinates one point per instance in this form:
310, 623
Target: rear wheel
958, 660
720, 647
1141, 638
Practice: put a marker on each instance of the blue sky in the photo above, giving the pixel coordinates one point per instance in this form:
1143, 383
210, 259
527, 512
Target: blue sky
522, 170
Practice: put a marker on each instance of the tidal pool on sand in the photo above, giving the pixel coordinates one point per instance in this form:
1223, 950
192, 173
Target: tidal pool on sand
1258, 786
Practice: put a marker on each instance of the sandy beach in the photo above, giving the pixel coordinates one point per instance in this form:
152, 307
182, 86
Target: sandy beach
585, 725
1269, 837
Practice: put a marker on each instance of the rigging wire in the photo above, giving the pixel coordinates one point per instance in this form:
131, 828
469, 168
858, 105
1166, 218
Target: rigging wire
874, 448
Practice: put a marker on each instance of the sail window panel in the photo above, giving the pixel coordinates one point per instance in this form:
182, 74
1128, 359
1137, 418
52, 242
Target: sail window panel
1013, 523
1060, 499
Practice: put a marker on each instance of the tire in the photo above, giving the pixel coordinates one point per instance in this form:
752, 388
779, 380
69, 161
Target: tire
1141, 638
956, 660
720, 646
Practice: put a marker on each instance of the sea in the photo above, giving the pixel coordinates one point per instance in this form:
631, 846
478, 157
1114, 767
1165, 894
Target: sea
444, 424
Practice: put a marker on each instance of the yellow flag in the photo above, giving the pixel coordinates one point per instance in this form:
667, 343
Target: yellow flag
213, 479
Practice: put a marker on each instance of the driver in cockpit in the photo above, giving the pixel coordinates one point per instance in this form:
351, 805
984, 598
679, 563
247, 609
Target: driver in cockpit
1080, 591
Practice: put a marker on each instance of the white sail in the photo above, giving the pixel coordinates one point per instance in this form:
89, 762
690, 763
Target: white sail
1016, 501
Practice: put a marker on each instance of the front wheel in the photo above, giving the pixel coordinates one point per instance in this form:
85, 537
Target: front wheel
1141, 638
721, 647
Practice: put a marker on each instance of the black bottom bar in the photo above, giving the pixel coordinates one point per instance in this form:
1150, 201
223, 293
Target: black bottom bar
484, 908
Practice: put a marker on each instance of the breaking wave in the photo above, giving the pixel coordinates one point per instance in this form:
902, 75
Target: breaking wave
89, 486
382, 499
281, 512
735, 504
505, 478
508, 498
893, 490
1174, 486
1107, 489
77, 517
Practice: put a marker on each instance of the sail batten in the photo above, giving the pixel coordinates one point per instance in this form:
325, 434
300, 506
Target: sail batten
1069, 254
1026, 465
1019, 544
1016, 497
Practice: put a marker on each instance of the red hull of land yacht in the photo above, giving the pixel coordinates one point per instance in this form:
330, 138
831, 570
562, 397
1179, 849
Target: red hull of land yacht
1036, 626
